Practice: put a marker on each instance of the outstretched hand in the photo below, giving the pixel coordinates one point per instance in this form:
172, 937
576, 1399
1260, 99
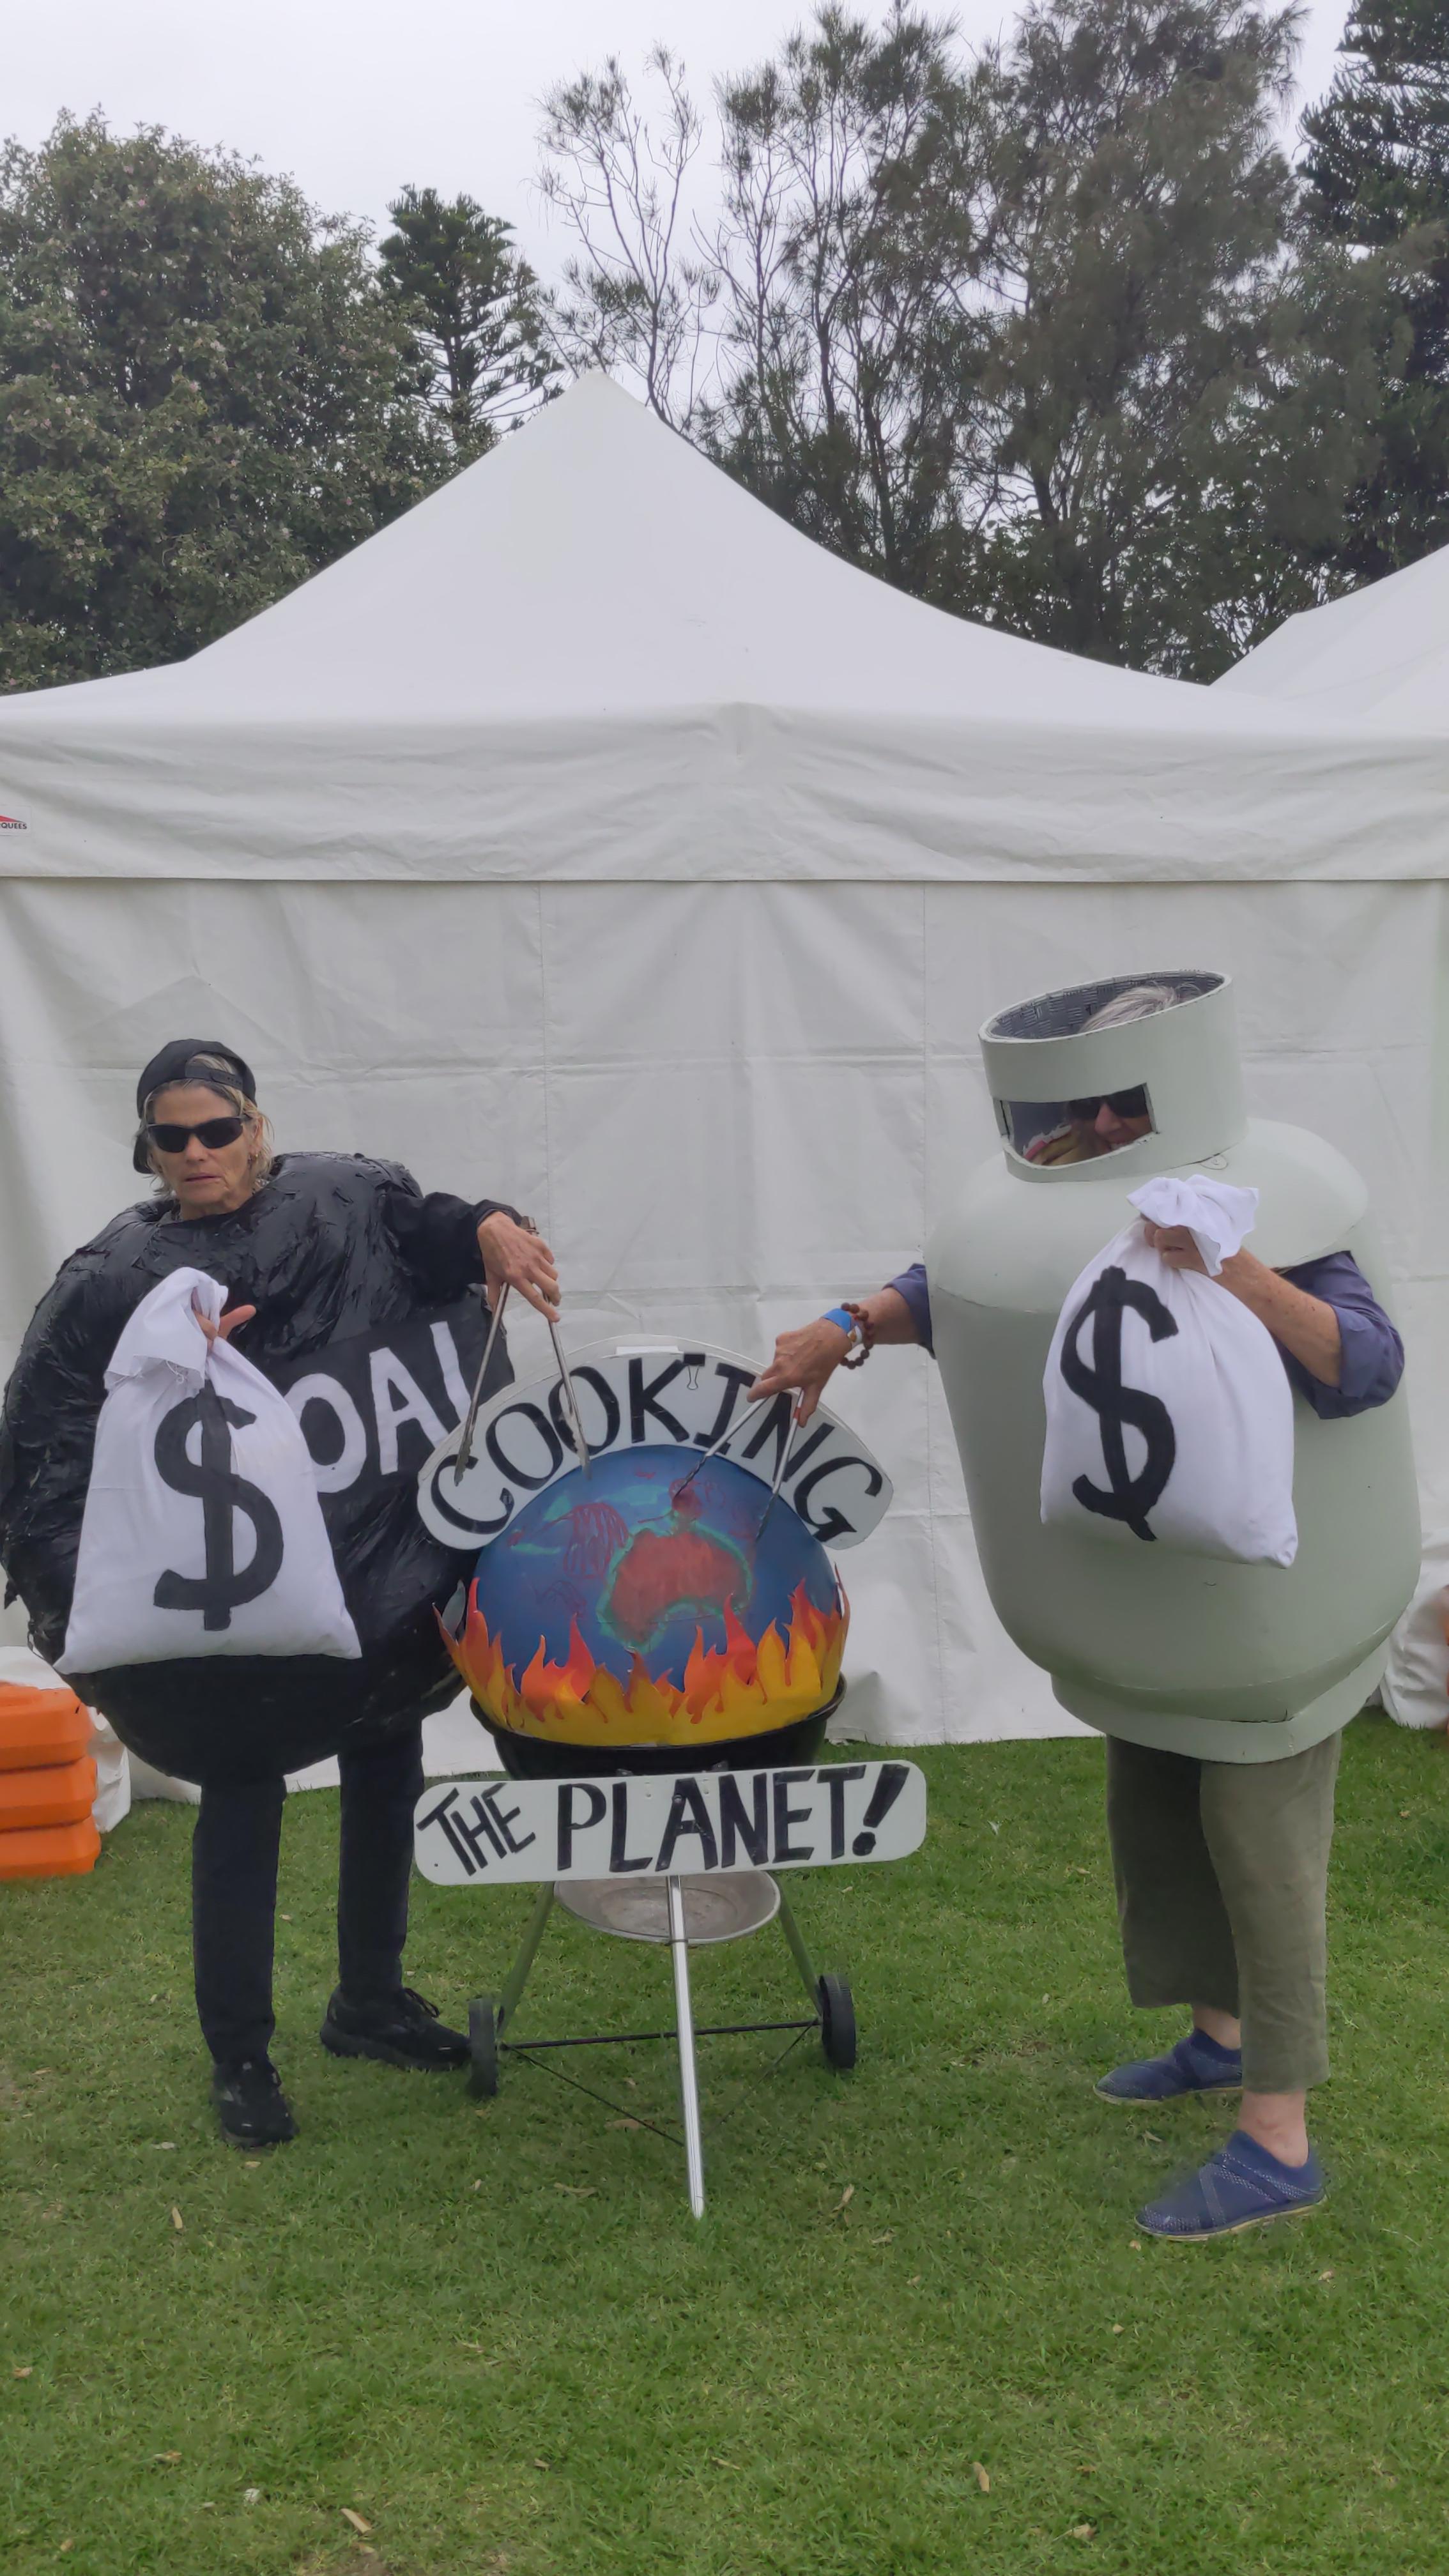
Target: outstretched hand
515, 1257
807, 1359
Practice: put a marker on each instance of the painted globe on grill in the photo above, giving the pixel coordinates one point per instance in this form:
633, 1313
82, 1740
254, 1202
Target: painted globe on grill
625, 1607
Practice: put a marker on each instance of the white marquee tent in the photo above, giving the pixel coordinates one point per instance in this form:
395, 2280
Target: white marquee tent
590, 837
1378, 658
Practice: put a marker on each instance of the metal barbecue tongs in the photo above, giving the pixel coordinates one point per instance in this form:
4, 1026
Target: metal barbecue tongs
465, 1438
726, 1436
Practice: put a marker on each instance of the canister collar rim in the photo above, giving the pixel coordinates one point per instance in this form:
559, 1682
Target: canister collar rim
1090, 997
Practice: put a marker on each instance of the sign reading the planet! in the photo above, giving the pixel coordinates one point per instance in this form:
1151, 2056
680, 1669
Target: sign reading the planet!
666, 1396
655, 1593
705, 1824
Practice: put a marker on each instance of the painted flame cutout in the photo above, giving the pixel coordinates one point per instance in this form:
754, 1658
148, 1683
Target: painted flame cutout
740, 1688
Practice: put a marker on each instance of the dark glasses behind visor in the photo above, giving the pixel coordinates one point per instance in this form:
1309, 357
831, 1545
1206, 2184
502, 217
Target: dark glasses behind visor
1123, 1104
211, 1133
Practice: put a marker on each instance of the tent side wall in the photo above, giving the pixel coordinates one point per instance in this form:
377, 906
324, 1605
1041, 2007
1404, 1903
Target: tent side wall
727, 1105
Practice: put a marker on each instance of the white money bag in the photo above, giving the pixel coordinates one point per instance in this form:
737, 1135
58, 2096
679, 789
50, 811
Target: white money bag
202, 1532
1169, 1415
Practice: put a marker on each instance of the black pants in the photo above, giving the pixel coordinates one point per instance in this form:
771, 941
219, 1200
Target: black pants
234, 1890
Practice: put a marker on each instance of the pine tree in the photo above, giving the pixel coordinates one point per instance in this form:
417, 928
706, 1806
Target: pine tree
472, 303
1377, 167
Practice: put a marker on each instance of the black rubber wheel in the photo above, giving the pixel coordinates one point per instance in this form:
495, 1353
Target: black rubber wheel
483, 2047
837, 2021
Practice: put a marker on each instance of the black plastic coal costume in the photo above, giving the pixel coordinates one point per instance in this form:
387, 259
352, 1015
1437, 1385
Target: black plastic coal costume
368, 1290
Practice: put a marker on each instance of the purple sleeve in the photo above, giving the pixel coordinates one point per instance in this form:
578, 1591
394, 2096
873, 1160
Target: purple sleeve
1373, 1355
911, 1284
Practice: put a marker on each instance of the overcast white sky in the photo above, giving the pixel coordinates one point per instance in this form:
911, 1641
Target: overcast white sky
356, 97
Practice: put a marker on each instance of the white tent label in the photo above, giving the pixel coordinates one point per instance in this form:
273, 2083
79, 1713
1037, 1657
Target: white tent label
676, 1398
687, 1824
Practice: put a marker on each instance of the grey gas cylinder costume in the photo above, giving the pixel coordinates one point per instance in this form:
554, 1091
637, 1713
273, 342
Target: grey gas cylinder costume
1187, 1654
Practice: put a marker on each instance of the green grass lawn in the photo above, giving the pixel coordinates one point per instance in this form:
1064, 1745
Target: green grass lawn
497, 2336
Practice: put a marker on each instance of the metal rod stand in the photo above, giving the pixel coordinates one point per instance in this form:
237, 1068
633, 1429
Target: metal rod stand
688, 2071
798, 1952
824, 2016
512, 1995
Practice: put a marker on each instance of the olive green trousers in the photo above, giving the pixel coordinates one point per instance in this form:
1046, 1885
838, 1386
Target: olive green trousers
1222, 1875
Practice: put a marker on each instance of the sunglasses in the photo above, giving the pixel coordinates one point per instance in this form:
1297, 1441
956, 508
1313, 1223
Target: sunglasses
1123, 1104
211, 1133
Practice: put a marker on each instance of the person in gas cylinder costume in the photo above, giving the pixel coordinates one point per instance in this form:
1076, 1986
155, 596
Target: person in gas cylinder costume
1221, 1867
311, 1249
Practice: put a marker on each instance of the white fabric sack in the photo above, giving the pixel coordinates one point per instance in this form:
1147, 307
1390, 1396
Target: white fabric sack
1169, 1412
202, 1532
1415, 1686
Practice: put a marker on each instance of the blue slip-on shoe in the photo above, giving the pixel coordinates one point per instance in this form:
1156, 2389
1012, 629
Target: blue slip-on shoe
1196, 2065
1241, 2186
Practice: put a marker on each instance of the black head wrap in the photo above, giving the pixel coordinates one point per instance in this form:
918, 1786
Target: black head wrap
179, 1061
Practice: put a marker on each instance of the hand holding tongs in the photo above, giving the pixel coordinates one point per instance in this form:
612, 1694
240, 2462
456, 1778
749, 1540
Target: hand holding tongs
465, 1440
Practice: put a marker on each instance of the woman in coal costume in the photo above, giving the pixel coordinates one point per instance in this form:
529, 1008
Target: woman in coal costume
1221, 1865
325, 1259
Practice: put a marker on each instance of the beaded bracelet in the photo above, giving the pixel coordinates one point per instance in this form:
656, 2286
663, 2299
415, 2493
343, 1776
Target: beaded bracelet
865, 1335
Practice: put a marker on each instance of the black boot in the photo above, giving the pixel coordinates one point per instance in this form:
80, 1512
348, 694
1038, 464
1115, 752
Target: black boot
402, 2029
250, 2104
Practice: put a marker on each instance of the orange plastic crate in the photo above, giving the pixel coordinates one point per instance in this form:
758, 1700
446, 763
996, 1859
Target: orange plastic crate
61, 1793
50, 1851
40, 1727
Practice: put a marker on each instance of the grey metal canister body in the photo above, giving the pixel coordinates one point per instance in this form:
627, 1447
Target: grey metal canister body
1203, 1656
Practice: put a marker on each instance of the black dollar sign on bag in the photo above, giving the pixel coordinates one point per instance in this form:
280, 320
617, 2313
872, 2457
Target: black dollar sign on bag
1131, 1497
221, 1589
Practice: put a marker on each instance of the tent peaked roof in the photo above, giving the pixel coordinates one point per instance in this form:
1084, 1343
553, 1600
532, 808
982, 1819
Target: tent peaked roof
597, 561
1380, 656
593, 656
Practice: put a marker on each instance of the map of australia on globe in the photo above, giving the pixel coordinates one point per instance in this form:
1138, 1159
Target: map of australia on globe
664, 1571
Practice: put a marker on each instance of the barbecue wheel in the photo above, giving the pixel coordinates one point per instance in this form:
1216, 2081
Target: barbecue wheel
837, 2021
483, 2045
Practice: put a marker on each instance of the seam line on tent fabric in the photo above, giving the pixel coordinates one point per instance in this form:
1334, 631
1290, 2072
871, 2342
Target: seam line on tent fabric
926, 1053
547, 1067
1023, 875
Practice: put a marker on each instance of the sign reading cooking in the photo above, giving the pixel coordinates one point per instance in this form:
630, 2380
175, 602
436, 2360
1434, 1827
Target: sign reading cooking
667, 1395
684, 1824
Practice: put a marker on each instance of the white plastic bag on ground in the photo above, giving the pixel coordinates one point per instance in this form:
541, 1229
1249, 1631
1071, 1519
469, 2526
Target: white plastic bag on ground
113, 1774
1169, 1412
1415, 1686
202, 1532
113, 1765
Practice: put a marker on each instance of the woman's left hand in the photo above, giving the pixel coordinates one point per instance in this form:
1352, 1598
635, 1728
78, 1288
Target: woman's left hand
514, 1258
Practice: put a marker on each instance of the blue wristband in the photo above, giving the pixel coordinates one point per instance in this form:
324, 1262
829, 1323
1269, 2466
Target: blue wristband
838, 1315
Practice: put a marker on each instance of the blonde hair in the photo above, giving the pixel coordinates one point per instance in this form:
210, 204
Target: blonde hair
1138, 1002
200, 1071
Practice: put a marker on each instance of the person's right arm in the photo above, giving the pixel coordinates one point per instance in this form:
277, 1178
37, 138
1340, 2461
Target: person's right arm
808, 1357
